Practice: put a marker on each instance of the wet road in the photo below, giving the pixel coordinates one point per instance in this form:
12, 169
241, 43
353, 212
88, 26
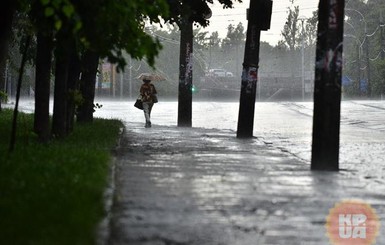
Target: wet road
203, 186
285, 125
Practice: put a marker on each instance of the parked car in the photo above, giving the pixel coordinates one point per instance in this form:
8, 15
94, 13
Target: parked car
219, 73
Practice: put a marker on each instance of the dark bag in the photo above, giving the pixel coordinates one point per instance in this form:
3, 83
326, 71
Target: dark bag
139, 104
154, 98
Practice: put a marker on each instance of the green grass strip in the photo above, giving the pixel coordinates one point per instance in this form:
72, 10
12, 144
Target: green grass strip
53, 193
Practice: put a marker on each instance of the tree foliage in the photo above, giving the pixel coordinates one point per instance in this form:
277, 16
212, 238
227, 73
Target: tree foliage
235, 35
105, 28
197, 10
291, 29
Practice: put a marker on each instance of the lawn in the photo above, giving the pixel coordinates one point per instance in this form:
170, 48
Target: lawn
53, 193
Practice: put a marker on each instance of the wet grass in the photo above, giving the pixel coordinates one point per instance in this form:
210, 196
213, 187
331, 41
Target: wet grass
53, 194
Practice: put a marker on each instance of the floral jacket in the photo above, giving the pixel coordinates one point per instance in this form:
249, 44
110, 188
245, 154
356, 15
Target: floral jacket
148, 92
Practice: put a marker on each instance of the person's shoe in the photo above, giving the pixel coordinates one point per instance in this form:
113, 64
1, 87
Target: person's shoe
148, 125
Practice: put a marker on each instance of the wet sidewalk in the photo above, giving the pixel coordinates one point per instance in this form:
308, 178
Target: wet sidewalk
177, 186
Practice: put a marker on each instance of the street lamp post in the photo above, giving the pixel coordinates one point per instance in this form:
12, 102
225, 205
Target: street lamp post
382, 37
359, 46
130, 78
302, 19
359, 51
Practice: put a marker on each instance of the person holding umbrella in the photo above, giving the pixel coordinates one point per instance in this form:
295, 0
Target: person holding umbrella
148, 96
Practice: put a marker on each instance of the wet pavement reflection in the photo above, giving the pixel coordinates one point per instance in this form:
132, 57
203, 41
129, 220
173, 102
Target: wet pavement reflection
204, 186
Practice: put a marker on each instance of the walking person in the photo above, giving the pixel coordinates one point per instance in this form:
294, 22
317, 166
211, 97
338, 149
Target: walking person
148, 95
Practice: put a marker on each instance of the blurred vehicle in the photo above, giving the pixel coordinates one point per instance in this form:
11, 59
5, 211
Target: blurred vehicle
219, 73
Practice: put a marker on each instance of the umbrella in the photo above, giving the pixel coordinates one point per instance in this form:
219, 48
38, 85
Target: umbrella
151, 76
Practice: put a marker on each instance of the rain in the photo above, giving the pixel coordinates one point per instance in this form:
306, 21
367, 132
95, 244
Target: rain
186, 179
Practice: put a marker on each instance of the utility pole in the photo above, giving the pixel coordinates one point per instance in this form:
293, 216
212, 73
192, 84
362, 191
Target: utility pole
259, 16
327, 91
210, 46
369, 89
359, 69
130, 78
186, 65
382, 42
121, 74
382, 37
303, 60
99, 79
185, 73
112, 94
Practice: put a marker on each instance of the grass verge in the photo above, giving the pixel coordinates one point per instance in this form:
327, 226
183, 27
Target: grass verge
53, 194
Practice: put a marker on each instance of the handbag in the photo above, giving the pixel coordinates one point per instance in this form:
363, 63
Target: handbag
139, 104
154, 98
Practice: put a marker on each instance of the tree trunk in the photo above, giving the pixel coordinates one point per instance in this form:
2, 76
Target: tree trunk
73, 86
7, 10
112, 81
185, 74
42, 86
90, 63
59, 119
100, 90
15, 111
2, 78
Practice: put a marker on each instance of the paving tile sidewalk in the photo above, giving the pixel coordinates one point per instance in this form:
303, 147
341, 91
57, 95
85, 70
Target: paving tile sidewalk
200, 186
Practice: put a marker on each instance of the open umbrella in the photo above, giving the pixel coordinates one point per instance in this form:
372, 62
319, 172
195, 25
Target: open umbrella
151, 76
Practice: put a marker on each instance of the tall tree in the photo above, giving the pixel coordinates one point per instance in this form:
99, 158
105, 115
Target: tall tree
26, 45
90, 62
111, 27
60, 106
291, 29
311, 30
185, 13
233, 44
7, 10
74, 70
92, 27
235, 36
44, 25
292, 35
214, 43
42, 85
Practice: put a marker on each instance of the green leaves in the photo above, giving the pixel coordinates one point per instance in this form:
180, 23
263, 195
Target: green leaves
111, 27
49, 11
56, 14
44, 2
68, 10
58, 24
